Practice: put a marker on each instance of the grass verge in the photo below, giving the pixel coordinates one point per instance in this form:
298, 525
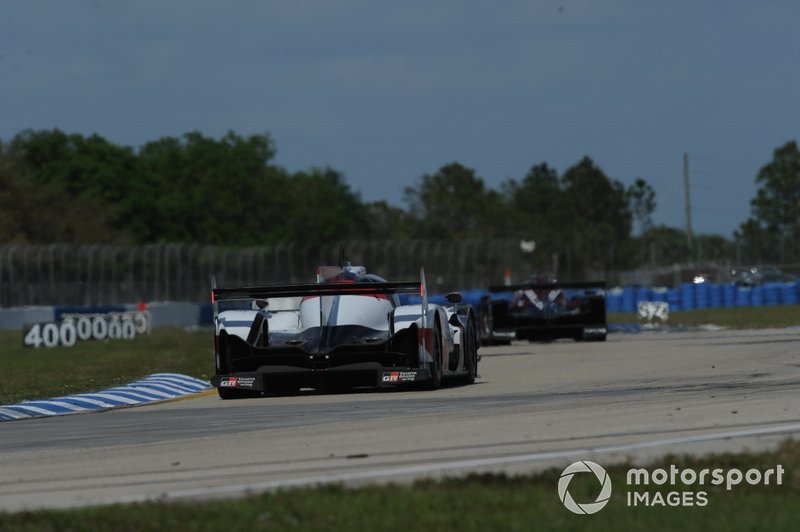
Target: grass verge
37, 373
479, 502
734, 318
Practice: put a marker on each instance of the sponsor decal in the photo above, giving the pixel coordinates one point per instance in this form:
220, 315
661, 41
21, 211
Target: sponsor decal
399, 376
595, 330
237, 382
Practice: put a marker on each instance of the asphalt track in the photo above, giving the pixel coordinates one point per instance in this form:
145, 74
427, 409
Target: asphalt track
536, 406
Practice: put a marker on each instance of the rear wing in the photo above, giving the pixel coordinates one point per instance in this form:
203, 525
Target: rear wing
302, 290
599, 285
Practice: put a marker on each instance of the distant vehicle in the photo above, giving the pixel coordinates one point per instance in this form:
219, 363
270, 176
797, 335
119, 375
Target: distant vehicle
543, 310
347, 330
756, 275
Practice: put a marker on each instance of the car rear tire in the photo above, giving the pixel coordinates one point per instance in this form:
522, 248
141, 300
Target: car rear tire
435, 367
471, 352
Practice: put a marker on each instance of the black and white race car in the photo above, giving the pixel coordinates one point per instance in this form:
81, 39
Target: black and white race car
348, 329
543, 310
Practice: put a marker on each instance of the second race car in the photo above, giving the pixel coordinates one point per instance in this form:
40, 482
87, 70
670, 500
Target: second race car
543, 310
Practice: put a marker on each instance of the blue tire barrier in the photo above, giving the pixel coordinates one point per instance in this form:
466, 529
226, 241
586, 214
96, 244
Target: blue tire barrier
743, 296
658, 294
772, 294
702, 295
629, 299
788, 293
472, 297
757, 296
674, 299
643, 294
687, 296
715, 296
614, 301
729, 295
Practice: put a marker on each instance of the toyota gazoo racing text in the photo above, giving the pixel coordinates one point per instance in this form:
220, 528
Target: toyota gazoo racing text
348, 329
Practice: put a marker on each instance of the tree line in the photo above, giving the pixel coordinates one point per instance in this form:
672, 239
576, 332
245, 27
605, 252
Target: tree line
59, 187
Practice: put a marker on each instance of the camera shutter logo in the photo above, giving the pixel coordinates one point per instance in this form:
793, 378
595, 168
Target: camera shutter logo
584, 466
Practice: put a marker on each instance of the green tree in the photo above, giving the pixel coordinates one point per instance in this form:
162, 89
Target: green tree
86, 167
540, 211
454, 203
201, 189
388, 221
321, 207
600, 235
642, 203
773, 229
32, 213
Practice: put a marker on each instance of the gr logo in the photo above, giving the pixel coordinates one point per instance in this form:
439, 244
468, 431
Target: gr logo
584, 466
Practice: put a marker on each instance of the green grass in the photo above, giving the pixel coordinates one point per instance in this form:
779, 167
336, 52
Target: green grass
36, 373
734, 318
479, 502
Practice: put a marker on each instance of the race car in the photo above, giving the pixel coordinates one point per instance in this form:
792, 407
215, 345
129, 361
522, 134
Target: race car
543, 310
349, 329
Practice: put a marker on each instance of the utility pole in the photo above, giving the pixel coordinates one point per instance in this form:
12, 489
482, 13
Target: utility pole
687, 200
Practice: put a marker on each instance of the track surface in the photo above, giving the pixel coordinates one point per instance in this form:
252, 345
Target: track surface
536, 406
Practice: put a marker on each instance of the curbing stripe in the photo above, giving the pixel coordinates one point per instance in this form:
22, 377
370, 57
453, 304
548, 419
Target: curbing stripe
156, 388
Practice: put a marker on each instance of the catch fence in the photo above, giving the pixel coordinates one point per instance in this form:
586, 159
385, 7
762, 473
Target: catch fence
105, 274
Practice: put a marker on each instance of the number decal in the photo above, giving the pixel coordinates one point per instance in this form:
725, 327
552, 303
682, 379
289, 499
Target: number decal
128, 329
34, 337
67, 334
84, 328
50, 335
99, 328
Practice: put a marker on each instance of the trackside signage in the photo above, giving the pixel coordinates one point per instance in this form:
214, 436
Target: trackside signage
73, 328
686, 487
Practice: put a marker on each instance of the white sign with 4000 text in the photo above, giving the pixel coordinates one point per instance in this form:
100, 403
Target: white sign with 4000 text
81, 327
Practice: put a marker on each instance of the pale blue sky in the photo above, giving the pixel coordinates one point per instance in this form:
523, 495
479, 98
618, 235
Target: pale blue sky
388, 91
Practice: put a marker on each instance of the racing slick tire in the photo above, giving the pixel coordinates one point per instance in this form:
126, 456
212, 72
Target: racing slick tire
471, 352
436, 366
